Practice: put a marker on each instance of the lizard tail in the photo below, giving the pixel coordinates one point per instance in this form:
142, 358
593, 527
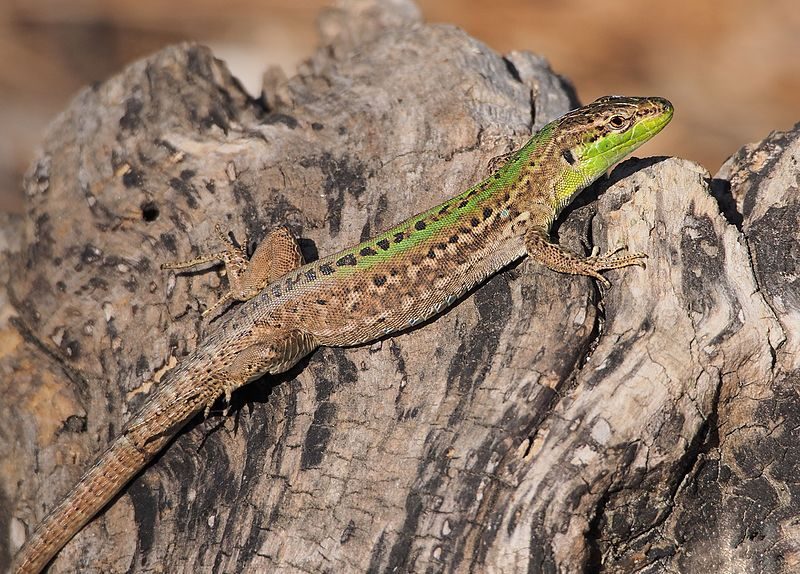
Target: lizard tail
112, 471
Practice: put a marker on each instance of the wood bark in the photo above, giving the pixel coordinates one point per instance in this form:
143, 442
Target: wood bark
543, 424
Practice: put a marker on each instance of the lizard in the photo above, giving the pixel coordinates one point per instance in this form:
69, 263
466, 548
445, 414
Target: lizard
383, 285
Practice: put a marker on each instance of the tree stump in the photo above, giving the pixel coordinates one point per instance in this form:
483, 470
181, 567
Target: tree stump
543, 424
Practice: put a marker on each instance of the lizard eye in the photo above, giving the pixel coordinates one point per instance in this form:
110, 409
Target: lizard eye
617, 122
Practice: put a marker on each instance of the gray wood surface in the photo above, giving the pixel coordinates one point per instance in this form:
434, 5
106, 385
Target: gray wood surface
540, 425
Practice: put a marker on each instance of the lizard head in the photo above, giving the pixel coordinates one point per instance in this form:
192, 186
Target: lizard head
593, 138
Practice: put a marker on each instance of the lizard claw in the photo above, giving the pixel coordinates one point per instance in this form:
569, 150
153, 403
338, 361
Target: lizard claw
219, 388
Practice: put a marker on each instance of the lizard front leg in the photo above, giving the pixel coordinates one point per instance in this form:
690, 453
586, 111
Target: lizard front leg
562, 260
275, 256
500, 160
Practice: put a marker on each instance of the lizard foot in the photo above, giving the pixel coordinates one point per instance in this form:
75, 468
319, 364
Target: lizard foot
220, 387
275, 256
596, 263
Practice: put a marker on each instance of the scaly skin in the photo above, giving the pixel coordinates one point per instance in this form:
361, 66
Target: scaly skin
385, 284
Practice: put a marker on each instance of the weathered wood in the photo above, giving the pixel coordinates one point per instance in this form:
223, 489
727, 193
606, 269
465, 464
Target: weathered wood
538, 426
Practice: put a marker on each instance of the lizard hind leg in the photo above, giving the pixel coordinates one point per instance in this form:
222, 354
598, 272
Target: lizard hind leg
559, 259
273, 352
223, 386
275, 256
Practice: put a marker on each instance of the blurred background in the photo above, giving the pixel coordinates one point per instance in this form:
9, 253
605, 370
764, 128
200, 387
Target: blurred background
731, 67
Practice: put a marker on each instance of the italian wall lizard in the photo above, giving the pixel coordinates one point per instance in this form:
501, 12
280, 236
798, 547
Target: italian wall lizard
388, 283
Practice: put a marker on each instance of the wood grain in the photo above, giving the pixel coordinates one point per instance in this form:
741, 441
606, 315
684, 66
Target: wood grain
539, 425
